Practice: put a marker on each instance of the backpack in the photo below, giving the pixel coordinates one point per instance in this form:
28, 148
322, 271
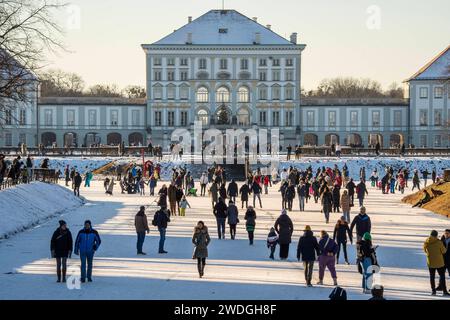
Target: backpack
338, 294
155, 219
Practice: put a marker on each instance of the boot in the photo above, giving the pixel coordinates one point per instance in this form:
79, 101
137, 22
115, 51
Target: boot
64, 275
320, 282
203, 269
58, 273
199, 268
335, 281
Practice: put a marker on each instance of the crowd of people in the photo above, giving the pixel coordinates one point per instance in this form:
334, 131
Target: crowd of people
332, 187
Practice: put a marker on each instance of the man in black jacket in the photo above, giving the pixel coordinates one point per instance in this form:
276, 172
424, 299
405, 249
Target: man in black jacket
220, 212
161, 220
307, 250
76, 184
362, 223
232, 190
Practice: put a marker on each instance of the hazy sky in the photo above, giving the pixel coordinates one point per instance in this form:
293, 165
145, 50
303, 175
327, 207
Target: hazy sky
386, 40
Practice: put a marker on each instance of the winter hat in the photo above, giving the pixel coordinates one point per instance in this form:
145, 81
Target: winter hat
307, 228
62, 223
434, 233
88, 222
367, 236
142, 208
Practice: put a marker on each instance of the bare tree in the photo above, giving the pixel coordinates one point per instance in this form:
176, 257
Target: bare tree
348, 88
133, 92
395, 91
58, 83
104, 90
27, 32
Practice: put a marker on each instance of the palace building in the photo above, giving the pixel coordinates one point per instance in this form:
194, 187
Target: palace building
229, 71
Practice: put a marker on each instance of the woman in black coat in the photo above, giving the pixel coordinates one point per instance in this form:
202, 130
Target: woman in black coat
284, 228
61, 248
244, 191
341, 230
308, 249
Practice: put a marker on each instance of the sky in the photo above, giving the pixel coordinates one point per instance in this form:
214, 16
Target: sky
385, 40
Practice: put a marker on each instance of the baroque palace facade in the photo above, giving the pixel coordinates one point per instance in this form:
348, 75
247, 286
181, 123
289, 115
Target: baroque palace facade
229, 71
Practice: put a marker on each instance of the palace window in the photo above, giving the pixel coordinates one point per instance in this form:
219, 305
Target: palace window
423, 93
276, 93
22, 117
157, 61
223, 95
376, 119
332, 119
263, 62
310, 121
70, 117
289, 119
262, 92
183, 62
8, 139
92, 118
438, 117
244, 64
202, 64
170, 76
397, 118
289, 75
289, 93
184, 76
158, 118
263, 118
170, 61
353, 119
183, 118
114, 117
184, 92
276, 76
223, 64
423, 118
243, 117
243, 95
202, 116
276, 118
48, 117
135, 118
171, 118
171, 92
157, 92
276, 62
8, 117
157, 76
289, 62
438, 92
202, 94
262, 76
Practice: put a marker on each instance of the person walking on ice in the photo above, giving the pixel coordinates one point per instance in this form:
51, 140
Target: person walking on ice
141, 225
307, 250
366, 259
61, 249
272, 241
201, 240
435, 251
328, 250
87, 243
183, 205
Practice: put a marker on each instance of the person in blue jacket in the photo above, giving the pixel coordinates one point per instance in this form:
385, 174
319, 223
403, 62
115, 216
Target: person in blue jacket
87, 243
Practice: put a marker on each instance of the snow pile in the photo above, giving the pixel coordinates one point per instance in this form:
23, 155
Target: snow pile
25, 206
82, 165
354, 164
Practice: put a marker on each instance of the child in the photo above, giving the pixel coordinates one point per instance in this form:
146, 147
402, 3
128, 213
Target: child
392, 184
183, 205
142, 186
152, 184
272, 240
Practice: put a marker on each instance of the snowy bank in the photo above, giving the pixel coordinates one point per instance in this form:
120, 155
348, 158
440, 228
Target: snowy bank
25, 206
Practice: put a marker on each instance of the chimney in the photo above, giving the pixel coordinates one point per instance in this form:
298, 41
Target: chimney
269, 26
255, 19
189, 38
294, 38
257, 38
189, 19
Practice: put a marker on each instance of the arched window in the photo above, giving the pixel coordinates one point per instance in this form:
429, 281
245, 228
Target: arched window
202, 116
223, 95
202, 94
243, 95
243, 117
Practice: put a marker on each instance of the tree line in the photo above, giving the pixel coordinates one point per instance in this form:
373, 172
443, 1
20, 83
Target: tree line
58, 83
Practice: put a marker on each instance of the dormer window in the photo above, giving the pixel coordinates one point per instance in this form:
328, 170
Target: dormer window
223, 30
